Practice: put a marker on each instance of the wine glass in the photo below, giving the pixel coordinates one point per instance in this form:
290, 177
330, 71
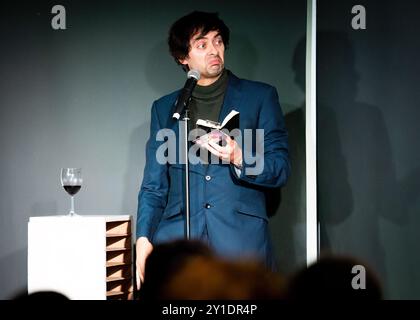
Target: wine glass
71, 180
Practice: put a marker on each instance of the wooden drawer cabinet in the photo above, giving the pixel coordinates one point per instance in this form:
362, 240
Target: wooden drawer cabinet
82, 257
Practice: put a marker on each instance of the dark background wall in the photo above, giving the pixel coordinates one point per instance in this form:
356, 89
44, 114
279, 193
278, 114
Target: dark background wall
368, 159
81, 97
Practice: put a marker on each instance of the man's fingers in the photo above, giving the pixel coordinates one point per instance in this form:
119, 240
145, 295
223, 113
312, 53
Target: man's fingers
211, 147
138, 280
206, 146
218, 148
228, 139
139, 274
143, 250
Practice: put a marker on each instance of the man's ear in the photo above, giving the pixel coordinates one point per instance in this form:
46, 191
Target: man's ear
183, 61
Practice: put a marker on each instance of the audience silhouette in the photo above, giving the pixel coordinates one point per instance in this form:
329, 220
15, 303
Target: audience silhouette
165, 261
188, 269
40, 295
335, 277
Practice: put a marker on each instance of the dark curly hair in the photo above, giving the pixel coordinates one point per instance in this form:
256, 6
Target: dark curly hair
183, 29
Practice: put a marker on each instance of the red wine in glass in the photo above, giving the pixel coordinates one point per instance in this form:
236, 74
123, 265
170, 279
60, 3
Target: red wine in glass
71, 180
72, 190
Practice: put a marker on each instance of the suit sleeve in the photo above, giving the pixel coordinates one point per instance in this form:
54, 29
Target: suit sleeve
265, 159
153, 193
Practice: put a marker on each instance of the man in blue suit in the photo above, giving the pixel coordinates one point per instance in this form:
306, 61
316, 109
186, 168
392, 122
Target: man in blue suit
227, 199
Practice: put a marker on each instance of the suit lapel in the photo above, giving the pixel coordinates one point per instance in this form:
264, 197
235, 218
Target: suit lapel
232, 96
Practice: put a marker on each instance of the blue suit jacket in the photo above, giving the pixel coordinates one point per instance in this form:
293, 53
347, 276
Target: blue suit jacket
228, 210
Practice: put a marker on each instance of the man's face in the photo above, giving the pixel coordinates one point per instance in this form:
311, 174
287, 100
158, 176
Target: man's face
206, 55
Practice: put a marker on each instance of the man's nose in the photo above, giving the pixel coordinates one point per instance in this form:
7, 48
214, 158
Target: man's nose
212, 49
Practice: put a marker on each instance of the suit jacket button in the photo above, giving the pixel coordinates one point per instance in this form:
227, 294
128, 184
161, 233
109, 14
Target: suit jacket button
207, 206
208, 178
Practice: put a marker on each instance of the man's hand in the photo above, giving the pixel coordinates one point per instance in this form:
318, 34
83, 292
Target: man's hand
143, 249
231, 152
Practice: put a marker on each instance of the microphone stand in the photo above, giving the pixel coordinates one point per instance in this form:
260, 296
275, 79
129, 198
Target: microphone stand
186, 119
182, 107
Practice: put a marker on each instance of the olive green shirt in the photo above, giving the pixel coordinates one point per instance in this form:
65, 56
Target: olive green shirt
207, 101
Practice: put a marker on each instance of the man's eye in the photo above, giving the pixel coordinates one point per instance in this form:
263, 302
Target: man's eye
201, 45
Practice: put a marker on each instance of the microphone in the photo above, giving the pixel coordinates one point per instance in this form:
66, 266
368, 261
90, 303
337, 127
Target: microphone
185, 95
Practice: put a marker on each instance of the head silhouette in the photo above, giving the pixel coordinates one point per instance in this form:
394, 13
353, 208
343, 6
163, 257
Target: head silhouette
335, 277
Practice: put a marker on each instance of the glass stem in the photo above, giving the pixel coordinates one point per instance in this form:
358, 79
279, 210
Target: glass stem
72, 206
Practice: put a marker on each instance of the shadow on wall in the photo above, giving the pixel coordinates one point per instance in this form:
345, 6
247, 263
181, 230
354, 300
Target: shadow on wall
287, 206
356, 170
